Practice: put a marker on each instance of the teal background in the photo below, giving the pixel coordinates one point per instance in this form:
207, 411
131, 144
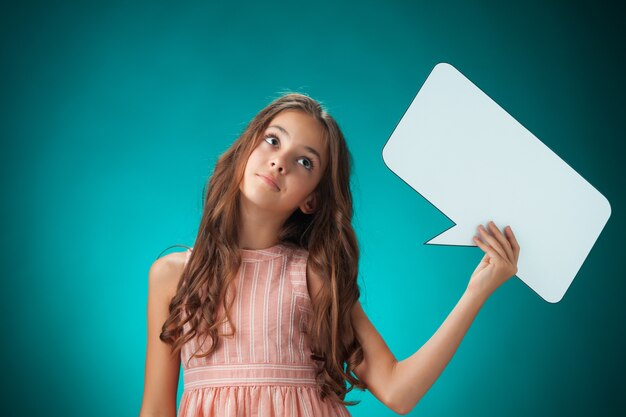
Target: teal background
114, 113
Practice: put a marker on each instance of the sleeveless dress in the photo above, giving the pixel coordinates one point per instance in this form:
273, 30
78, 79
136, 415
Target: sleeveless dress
265, 368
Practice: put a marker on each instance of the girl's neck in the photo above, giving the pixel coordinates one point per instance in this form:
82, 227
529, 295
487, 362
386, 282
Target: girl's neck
258, 245
259, 230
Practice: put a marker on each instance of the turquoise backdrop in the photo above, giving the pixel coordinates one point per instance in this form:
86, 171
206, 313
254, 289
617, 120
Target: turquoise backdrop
113, 114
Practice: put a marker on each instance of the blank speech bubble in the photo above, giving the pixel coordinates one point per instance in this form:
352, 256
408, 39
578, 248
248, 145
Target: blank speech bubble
466, 155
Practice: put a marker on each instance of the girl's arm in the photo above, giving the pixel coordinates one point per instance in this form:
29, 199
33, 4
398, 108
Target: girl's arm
411, 378
162, 371
400, 385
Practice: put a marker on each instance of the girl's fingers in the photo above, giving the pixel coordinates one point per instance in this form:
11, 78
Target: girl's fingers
486, 248
513, 241
492, 241
503, 241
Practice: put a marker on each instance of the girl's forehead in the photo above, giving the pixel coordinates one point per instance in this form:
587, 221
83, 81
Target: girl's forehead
299, 125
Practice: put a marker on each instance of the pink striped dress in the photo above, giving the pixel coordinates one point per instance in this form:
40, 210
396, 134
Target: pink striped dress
265, 369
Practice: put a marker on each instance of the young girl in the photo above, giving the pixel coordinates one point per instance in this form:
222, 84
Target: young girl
263, 312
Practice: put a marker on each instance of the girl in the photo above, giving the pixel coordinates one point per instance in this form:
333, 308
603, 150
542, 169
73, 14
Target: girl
264, 313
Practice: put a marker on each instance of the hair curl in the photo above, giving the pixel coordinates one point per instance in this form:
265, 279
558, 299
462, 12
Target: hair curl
327, 234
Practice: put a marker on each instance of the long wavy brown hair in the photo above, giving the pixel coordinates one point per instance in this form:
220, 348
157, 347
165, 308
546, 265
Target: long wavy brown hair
327, 234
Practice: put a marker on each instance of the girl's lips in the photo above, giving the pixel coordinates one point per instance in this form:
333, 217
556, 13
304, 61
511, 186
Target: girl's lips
269, 181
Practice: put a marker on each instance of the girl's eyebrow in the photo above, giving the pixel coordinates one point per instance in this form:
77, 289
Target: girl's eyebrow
308, 148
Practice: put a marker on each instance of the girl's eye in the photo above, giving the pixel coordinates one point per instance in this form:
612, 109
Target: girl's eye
308, 166
269, 137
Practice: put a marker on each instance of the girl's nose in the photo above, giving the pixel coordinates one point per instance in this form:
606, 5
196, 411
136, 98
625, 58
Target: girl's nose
277, 165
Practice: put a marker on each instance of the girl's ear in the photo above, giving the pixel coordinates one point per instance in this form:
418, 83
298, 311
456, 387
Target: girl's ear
310, 205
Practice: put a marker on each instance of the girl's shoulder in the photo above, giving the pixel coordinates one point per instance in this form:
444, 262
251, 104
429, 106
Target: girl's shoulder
166, 271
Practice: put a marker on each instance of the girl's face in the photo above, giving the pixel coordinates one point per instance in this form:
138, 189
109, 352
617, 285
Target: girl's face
291, 152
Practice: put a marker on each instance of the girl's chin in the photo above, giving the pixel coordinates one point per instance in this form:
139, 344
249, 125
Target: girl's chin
259, 198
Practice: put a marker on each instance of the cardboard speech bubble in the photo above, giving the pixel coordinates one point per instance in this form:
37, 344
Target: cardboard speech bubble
466, 155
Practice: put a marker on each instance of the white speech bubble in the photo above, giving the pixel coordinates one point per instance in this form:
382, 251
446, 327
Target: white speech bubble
467, 156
